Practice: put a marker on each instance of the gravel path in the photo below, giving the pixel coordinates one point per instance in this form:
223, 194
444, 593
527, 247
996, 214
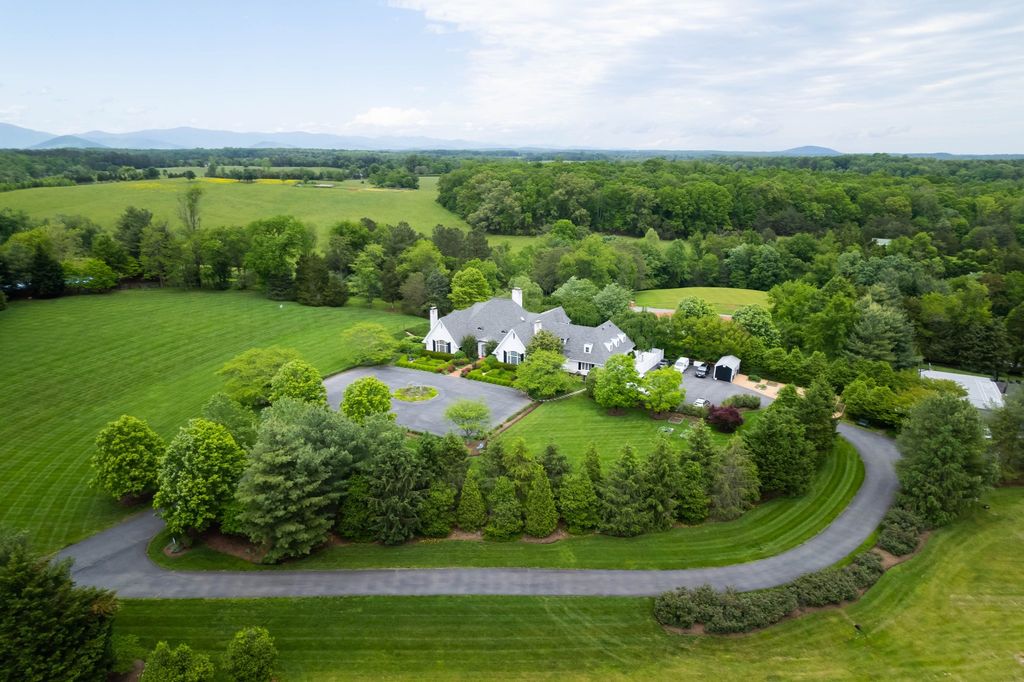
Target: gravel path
116, 559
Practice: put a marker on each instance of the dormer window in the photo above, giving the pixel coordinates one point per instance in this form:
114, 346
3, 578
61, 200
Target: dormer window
587, 347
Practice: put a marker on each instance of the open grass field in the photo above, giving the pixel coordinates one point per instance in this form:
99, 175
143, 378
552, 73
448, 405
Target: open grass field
724, 299
73, 364
228, 202
579, 421
953, 612
769, 529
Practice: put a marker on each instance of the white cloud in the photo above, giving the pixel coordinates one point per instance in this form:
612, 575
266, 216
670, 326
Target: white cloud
638, 73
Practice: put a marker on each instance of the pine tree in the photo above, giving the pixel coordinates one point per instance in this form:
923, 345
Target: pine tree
592, 463
579, 504
472, 513
541, 517
623, 500
784, 459
506, 522
701, 449
735, 486
556, 466
692, 503
816, 412
520, 467
437, 510
661, 485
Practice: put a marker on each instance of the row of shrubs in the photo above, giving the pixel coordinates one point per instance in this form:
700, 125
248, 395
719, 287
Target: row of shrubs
438, 369
900, 531
480, 375
731, 611
743, 401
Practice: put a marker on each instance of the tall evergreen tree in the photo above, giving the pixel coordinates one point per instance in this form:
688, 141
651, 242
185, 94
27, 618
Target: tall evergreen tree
506, 521
735, 486
472, 512
816, 412
661, 485
579, 504
541, 517
437, 510
46, 276
49, 628
692, 503
700, 449
397, 482
944, 468
520, 466
785, 461
624, 507
556, 466
592, 463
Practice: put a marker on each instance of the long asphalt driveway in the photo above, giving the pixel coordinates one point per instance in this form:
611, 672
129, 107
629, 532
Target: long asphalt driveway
428, 415
116, 559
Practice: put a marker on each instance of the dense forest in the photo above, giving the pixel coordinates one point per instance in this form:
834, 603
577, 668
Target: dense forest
944, 284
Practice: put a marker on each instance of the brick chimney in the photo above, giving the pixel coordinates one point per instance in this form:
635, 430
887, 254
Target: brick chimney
433, 316
517, 295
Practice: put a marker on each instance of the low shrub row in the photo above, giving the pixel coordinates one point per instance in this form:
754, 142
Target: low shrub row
731, 611
480, 375
693, 411
743, 401
427, 366
493, 363
900, 532
437, 355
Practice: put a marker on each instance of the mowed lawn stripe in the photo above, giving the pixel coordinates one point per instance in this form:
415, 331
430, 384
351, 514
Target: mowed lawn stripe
769, 529
725, 299
75, 363
952, 611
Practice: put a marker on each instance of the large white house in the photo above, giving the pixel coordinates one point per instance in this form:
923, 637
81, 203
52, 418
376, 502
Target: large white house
507, 323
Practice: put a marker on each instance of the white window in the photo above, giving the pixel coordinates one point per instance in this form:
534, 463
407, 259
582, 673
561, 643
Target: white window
584, 366
513, 358
587, 347
442, 347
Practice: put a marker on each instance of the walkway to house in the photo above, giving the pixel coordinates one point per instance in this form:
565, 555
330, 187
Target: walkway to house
116, 559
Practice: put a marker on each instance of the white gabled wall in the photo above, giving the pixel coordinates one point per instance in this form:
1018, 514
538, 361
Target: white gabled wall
511, 342
439, 333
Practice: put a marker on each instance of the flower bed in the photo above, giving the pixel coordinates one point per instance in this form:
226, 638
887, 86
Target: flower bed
415, 394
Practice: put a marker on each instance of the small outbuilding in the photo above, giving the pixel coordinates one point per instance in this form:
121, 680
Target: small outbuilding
727, 367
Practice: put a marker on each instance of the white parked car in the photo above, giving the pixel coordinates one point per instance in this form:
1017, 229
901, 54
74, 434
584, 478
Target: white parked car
681, 365
701, 402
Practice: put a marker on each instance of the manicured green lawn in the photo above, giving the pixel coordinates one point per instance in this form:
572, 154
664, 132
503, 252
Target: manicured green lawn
724, 299
227, 202
767, 530
954, 612
73, 364
575, 423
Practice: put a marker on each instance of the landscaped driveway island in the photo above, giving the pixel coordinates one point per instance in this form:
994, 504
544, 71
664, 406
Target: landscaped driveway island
428, 415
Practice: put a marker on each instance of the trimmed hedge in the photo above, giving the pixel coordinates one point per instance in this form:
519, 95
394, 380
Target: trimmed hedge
478, 375
900, 532
693, 411
437, 355
424, 367
731, 611
743, 401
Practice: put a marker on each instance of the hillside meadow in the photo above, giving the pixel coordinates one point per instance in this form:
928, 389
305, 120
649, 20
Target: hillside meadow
73, 364
725, 299
229, 202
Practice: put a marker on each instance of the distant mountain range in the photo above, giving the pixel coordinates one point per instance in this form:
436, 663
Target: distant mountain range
16, 137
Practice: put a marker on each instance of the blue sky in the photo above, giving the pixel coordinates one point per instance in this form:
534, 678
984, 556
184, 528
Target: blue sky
730, 74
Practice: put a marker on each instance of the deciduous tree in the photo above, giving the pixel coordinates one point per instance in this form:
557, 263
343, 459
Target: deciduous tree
251, 655
618, 384
299, 380
542, 375
249, 375
664, 390
472, 417
468, 287
128, 454
366, 397
369, 344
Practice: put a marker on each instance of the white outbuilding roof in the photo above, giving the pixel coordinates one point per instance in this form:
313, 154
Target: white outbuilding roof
730, 361
982, 392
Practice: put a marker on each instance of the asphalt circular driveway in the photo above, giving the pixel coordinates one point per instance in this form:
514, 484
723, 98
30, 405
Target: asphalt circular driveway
428, 415
116, 559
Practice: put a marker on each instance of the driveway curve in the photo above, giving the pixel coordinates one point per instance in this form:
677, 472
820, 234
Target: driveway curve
116, 559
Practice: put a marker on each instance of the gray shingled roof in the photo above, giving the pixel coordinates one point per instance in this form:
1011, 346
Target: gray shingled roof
605, 339
487, 321
491, 321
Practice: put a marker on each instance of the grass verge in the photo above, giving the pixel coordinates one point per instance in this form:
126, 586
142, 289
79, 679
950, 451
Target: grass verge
951, 612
